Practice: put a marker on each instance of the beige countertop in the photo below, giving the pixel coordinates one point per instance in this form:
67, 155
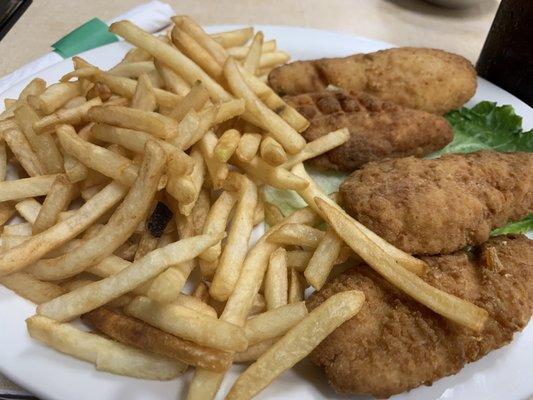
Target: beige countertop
401, 22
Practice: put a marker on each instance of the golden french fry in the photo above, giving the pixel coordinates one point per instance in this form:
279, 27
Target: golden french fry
290, 139
72, 116
201, 292
323, 259
169, 55
194, 100
296, 286
276, 280
216, 221
273, 214
272, 152
248, 146
132, 69
318, 146
6, 212
106, 354
189, 324
55, 96
297, 343
3, 161
81, 73
173, 82
26, 187
218, 171
30, 288
197, 177
144, 96
259, 213
272, 59
35, 87
298, 235
274, 323
139, 334
147, 243
22, 151
258, 305
21, 229
74, 169
28, 209
239, 52
253, 352
135, 55
252, 58
120, 226
38, 245
227, 144
195, 304
153, 123
234, 252
237, 37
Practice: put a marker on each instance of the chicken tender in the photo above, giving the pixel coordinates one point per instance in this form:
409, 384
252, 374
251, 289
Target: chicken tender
442, 205
378, 129
425, 79
395, 344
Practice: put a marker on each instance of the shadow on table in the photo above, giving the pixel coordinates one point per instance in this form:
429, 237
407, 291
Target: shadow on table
425, 8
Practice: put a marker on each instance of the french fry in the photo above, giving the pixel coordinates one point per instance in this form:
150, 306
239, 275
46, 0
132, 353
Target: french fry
35, 87
136, 333
30, 288
97, 158
297, 235
20, 147
28, 209
3, 161
6, 212
272, 152
216, 221
296, 286
169, 55
26, 187
259, 213
297, 343
194, 100
106, 354
201, 292
147, 243
189, 324
413, 264
276, 280
120, 226
75, 170
192, 49
197, 177
227, 144
273, 214
274, 323
248, 146
239, 52
272, 59
299, 259
237, 37
253, 56
153, 123
195, 304
132, 69
218, 171
144, 96
21, 229
234, 252
173, 82
258, 305
323, 259
252, 353
318, 146
99, 293
39, 245
72, 116
58, 198
55, 96
80, 73
135, 55
290, 139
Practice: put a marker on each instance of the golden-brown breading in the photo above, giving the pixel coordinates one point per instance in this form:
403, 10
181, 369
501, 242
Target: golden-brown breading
425, 79
441, 205
378, 129
395, 344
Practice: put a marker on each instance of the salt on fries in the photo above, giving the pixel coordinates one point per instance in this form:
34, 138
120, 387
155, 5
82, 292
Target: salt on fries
168, 154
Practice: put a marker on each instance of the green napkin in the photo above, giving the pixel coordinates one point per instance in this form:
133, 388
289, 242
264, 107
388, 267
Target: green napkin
90, 35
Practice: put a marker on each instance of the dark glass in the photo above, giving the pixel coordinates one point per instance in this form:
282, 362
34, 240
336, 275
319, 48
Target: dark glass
507, 56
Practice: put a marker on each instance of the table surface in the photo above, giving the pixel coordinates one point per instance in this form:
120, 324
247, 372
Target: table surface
401, 22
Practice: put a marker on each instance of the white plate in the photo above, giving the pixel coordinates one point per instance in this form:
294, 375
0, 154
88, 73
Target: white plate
503, 374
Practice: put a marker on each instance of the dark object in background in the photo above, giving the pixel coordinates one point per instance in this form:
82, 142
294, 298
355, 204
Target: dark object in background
159, 219
507, 56
10, 12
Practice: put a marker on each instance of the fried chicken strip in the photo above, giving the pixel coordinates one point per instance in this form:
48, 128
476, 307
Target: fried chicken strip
442, 205
395, 344
378, 129
426, 79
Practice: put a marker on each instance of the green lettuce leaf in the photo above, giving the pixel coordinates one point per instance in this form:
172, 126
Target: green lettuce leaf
486, 126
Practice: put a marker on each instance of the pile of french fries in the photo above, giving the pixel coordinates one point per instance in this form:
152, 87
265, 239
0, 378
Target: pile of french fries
129, 179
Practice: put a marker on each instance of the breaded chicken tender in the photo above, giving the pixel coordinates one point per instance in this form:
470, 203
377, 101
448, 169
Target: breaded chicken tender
378, 129
395, 344
442, 205
425, 79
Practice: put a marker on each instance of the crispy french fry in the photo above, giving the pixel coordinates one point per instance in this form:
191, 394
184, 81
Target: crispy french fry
26, 187
30, 288
21, 229
201, 292
290, 139
297, 343
3, 161
234, 252
248, 146
237, 37
276, 280
272, 59
253, 352
323, 259
296, 286
298, 235
72, 116
120, 226
273, 214
35, 87
216, 221
197, 177
189, 324
28, 209
106, 354
274, 323
136, 333
135, 55
59, 197
227, 144
272, 152
253, 56
239, 52
6, 212
259, 213
20, 147
55, 96
38, 245
195, 304
144, 96
194, 100
217, 170
173, 82
132, 69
